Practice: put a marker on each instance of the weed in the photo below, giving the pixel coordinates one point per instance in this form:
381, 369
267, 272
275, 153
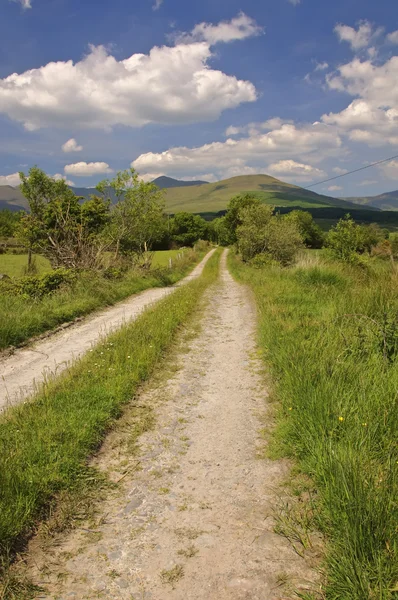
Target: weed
172, 576
189, 552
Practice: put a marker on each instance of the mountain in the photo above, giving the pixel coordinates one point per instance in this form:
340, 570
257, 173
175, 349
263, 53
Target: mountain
164, 182
387, 201
214, 197
201, 197
12, 198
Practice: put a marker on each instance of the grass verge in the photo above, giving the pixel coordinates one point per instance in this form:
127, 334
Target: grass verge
329, 335
22, 318
45, 443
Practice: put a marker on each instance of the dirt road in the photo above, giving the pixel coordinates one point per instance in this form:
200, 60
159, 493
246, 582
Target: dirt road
23, 371
195, 522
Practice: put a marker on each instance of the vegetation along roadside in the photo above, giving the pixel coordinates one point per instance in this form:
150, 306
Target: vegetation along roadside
328, 331
45, 443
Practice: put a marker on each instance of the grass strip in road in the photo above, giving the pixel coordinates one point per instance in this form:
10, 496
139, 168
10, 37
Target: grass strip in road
329, 337
45, 443
22, 318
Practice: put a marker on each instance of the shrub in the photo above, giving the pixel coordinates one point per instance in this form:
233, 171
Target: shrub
37, 287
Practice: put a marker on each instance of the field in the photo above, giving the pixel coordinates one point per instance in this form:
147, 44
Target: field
329, 337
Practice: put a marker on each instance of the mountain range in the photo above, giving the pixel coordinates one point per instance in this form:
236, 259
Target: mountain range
203, 197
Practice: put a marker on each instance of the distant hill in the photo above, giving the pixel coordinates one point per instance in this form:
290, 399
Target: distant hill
387, 201
202, 197
12, 198
164, 182
214, 197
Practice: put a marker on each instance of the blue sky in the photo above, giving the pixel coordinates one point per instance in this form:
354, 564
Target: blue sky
299, 89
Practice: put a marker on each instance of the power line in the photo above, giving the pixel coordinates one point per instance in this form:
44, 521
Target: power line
379, 162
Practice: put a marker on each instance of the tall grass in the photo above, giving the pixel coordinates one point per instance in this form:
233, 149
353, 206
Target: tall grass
45, 443
22, 318
329, 335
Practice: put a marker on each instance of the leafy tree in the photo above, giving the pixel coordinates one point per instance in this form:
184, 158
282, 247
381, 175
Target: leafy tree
346, 239
187, 228
234, 210
9, 222
312, 234
263, 233
137, 219
219, 231
58, 226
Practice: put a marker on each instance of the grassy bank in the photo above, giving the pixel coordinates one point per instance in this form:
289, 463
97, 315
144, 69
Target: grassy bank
329, 335
45, 444
22, 318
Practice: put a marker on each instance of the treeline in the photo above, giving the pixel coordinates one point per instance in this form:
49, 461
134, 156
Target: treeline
77, 233
262, 235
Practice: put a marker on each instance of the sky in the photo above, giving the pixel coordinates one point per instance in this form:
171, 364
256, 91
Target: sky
302, 90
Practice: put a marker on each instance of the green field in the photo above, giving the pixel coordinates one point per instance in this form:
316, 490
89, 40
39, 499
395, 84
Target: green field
14, 265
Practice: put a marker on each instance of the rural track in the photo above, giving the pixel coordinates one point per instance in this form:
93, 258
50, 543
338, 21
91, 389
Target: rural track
22, 373
192, 515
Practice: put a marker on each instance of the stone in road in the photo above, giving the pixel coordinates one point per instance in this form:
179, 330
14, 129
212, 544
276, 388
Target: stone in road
22, 372
196, 521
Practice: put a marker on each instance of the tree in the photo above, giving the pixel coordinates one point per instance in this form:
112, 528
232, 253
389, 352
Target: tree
346, 239
9, 221
58, 226
262, 232
187, 228
219, 231
312, 234
234, 210
137, 219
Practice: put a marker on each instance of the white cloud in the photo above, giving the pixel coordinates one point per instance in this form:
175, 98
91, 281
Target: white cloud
339, 171
13, 180
392, 38
239, 28
358, 38
321, 66
292, 170
59, 177
390, 169
372, 118
295, 2
83, 169
250, 154
157, 5
231, 130
334, 188
24, 3
170, 85
71, 146
368, 182
150, 176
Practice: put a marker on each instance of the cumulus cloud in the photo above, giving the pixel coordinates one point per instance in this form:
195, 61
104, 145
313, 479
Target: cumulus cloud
170, 85
368, 182
13, 180
390, 169
295, 2
83, 169
60, 177
292, 170
339, 171
321, 66
72, 146
334, 188
239, 28
250, 154
392, 38
157, 5
358, 38
373, 116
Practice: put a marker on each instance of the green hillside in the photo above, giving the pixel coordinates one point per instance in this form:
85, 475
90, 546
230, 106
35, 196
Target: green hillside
214, 197
386, 201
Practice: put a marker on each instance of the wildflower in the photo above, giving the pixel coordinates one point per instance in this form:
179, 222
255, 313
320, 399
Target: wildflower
290, 408
129, 357
365, 424
341, 419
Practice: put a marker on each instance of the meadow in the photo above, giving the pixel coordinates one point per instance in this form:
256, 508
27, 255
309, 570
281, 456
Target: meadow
328, 334
45, 444
22, 317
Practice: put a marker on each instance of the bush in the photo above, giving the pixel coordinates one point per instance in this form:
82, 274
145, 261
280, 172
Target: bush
37, 287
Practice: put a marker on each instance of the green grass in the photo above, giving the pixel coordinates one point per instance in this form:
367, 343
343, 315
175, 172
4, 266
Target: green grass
14, 265
329, 335
21, 319
45, 443
161, 259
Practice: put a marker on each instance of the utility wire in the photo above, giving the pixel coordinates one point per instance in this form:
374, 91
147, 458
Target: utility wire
379, 162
